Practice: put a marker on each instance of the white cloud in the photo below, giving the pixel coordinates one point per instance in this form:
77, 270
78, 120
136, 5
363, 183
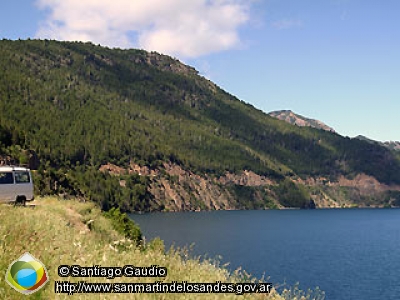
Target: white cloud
287, 23
187, 28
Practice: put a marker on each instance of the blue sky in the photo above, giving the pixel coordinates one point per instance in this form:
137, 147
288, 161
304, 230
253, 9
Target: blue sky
334, 60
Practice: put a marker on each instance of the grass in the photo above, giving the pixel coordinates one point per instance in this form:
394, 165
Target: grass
57, 233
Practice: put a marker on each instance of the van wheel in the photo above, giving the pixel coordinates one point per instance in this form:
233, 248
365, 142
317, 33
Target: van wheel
21, 200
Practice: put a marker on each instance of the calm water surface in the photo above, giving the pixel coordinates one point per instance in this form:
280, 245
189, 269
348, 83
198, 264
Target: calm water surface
349, 253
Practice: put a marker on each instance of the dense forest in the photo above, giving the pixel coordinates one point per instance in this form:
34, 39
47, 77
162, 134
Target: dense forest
77, 106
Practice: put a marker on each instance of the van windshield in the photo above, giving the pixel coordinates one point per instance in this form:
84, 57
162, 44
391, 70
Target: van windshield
6, 178
22, 177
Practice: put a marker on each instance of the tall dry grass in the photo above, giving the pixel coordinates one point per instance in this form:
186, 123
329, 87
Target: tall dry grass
59, 232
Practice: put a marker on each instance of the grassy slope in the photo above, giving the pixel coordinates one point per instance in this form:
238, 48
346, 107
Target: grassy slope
56, 233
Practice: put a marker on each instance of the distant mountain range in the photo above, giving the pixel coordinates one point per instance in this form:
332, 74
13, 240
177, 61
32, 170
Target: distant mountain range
295, 119
392, 145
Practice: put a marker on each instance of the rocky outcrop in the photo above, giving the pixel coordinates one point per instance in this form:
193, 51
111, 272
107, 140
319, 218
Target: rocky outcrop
189, 194
113, 169
176, 189
367, 185
361, 190
164, 63
295, 119
246, 178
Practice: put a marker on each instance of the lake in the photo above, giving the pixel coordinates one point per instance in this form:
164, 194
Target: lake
348, 253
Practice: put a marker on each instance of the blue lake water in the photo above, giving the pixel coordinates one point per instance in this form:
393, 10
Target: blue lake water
348, 253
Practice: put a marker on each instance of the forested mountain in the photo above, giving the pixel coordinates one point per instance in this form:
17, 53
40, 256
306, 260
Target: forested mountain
143, 131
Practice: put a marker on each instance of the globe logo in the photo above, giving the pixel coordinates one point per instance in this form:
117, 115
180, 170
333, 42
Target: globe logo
27, 275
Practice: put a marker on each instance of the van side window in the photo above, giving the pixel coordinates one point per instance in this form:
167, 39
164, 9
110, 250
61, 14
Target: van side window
22, 177
6, 178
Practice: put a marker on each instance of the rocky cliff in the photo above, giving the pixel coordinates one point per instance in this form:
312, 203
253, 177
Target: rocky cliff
176, 189
295, 119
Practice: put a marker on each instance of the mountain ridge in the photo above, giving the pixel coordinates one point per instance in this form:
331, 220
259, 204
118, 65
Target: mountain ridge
296, 119
392, 145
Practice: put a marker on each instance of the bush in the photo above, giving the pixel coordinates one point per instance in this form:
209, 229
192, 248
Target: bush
124, 225
292, 195
294, 293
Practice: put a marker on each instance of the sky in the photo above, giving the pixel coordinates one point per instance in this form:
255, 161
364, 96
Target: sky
337, 61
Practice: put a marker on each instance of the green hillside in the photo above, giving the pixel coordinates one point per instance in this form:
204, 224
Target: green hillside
75, 233
79, 106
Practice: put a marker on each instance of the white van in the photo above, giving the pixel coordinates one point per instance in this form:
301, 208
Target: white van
16, 185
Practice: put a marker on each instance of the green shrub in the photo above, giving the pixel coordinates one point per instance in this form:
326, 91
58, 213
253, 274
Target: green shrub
124, 225
295, 293
292, 195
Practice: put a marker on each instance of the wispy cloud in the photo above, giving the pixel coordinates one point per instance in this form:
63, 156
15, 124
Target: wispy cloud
287, 23
177, 27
